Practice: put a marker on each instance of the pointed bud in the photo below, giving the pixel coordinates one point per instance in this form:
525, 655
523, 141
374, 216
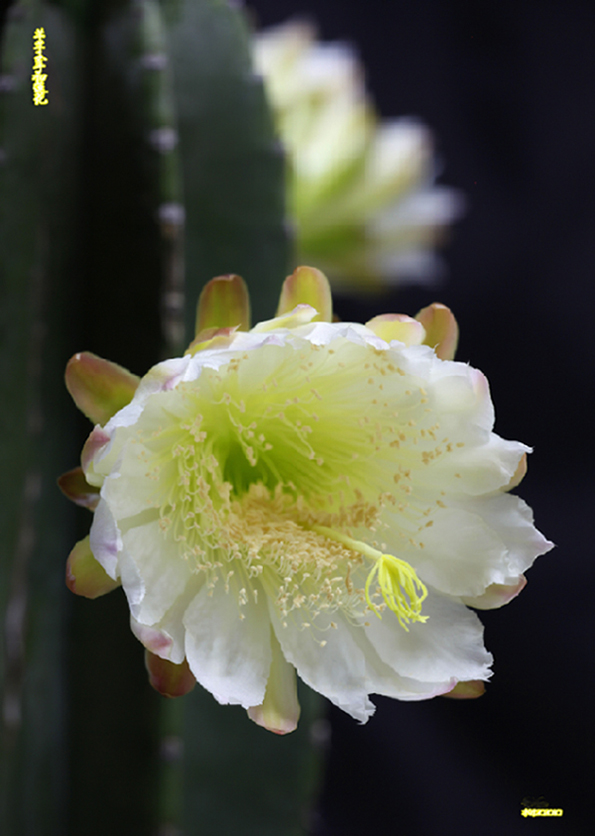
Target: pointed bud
280, 709
74, 486
84, 575
307, 286
442, 331
224, 303
397, 327
467, 690
168, 679
98, 387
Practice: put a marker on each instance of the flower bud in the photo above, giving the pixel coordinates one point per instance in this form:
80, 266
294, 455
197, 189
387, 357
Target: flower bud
99, 387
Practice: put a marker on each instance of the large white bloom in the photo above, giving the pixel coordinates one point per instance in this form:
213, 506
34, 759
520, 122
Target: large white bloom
361, 192
309, 497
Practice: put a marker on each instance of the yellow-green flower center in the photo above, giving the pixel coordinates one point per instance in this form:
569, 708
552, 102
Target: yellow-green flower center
401, 589
265, 468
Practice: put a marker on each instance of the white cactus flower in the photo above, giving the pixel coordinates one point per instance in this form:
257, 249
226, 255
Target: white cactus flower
326, 498
361, 192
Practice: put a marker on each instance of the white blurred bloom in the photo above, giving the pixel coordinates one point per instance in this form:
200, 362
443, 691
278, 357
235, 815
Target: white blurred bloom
310, 496
361, 192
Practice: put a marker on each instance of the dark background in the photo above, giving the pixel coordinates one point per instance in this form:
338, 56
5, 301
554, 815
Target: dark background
508, 88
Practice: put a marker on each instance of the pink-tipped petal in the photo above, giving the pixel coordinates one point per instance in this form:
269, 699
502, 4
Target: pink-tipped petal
168, 679
153, 639
397, 327
307, 286
467, 690
97, 439
497, 595
98, 387
74, 486
224, 303
84, 575
442, 331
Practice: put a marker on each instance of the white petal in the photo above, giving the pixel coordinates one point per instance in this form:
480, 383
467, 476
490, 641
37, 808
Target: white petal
131, 494
512, 518
161, 378
383, 680
449, 644
228, 655
105, 540
337, 670
476, 468
460, 390
496, 595
154, 572
167, 638
476, 542
152, 638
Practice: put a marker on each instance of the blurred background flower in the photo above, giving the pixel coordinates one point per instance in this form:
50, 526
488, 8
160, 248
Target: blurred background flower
361, 191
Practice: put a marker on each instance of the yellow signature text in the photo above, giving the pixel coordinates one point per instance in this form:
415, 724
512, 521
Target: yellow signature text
541, 811
39, 61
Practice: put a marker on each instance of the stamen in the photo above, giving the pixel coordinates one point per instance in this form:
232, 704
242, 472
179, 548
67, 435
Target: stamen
401, 589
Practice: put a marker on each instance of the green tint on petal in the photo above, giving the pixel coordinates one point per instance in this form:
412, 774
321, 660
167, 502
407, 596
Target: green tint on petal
84, 575
223, 303
442, 331
397, 327
212, 338
307, 286
300, 315
74, 486
467, 690
99, 387
168, 679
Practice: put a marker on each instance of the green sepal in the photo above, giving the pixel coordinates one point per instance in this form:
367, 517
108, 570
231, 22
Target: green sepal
307, 286
84, 575
223, 303
99, 387
74, 486
168, 679
442, 331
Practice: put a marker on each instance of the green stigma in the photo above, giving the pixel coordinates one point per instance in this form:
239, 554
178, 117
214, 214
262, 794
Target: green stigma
401, 589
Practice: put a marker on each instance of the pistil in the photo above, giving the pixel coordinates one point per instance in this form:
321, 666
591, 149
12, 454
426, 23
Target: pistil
402, 590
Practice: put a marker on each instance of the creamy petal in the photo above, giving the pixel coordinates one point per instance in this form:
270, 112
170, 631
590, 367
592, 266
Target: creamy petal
105, 539
130, 495
230, 656
478, 542
336, 669
512, 518
384, 680
152, 638
154, 572
172, 622
449, 644
496, 595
